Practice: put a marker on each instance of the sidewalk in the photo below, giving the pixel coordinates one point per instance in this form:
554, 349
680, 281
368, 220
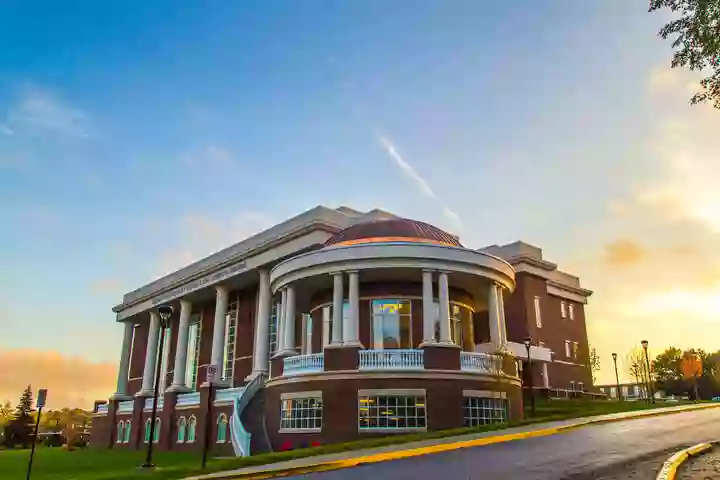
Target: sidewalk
352, 458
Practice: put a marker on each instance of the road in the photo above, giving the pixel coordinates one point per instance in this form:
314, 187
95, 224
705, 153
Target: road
575, 454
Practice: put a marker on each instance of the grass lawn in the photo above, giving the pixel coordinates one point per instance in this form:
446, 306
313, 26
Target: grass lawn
102, 464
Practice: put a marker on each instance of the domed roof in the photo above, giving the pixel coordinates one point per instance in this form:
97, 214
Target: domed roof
393, 230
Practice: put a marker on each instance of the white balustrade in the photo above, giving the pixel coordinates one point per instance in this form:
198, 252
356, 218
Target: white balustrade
480, 363
393, 359
126, 406
187, 399
301, 364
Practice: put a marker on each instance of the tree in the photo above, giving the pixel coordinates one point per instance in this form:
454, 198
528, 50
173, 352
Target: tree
6, 411
668, 365
637, 368
696, 41
19, 429
593, 363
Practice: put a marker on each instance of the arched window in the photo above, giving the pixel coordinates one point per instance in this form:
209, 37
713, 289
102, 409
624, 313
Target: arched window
222, 424
128, 427
156, 433
181, 424
120, 432
192, 423
147, 431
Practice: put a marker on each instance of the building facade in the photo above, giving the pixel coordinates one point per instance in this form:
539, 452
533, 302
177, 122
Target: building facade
337, 325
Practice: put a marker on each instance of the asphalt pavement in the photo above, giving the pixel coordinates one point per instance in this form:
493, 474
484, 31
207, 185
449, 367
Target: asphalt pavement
588, 452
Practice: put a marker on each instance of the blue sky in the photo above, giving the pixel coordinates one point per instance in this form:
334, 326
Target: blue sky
137, 136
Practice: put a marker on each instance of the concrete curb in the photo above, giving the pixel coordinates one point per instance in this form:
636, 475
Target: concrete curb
443, 447
670, 467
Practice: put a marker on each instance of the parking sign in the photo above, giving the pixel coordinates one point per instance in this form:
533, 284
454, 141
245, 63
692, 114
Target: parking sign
212, 371
41, 397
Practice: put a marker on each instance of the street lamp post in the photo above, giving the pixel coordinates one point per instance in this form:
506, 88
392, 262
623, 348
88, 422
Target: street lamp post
164, 312
617, 378
528, 344
647, 363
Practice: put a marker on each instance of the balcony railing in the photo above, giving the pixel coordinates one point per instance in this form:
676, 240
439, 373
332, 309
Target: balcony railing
480, 363
302, 364
394, 359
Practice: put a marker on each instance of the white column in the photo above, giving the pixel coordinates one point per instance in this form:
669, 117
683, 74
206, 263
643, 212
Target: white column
122, 379
281, 322
546, 380
494, 316
289, 314
350, 328
444, 300
178, 384
218, 341
501, 316
428, 307
150, 356
337, 334
262, 325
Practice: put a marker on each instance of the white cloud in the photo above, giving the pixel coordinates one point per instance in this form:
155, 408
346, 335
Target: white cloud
197, 236
39, 111
419, 181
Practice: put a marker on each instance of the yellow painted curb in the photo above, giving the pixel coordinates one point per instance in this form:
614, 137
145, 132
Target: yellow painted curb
670, 467
443, 447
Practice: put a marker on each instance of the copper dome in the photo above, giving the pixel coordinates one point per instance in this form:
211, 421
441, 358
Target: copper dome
393, 230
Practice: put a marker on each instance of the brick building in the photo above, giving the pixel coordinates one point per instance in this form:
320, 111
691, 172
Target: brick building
337, 325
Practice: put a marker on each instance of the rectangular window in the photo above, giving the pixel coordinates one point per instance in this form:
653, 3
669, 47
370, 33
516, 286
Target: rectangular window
301, 411
482, 411
563, 311
391, 324
538, 314
613, 392
581, 386
193, 351
568, 352
228, 366
273, 330
574, 349
572, 385
572, 313
306, 347
164, 362
391, 411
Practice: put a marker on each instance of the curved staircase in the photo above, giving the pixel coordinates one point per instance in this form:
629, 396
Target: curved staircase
239, 436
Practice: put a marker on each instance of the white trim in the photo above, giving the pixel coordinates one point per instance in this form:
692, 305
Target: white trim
484, 394
428, 374
295, 395
390, 255
299, 430
368, 392
563, 362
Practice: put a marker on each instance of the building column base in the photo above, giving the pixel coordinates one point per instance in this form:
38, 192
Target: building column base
178, 388
439, 356
146, 393
353, 344
120, 397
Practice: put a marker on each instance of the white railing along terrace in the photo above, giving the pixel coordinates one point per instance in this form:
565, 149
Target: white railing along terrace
300, 364
186, 399
480, 363
393, 359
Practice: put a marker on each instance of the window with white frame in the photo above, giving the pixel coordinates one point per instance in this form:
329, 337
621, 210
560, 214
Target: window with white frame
192, 357
301, 411
273, 329
571, 312
391, 325
132, 349
572, 385
483, 410
306, 342
563, 309
146, 438
613, 392
581, 386
574, 350
191, 426
181, 429
391, 410
120, 432
458, 316
228, 367
156, 433
568, 348
538, 314
128, 429
165, 361
222, 427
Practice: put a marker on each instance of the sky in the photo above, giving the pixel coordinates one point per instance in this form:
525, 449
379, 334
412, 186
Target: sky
136, 137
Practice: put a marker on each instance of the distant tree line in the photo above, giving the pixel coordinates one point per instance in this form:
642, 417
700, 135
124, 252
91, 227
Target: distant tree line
666, 372
17, 425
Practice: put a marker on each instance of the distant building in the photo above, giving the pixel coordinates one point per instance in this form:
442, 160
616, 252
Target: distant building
338, 324
628, 391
